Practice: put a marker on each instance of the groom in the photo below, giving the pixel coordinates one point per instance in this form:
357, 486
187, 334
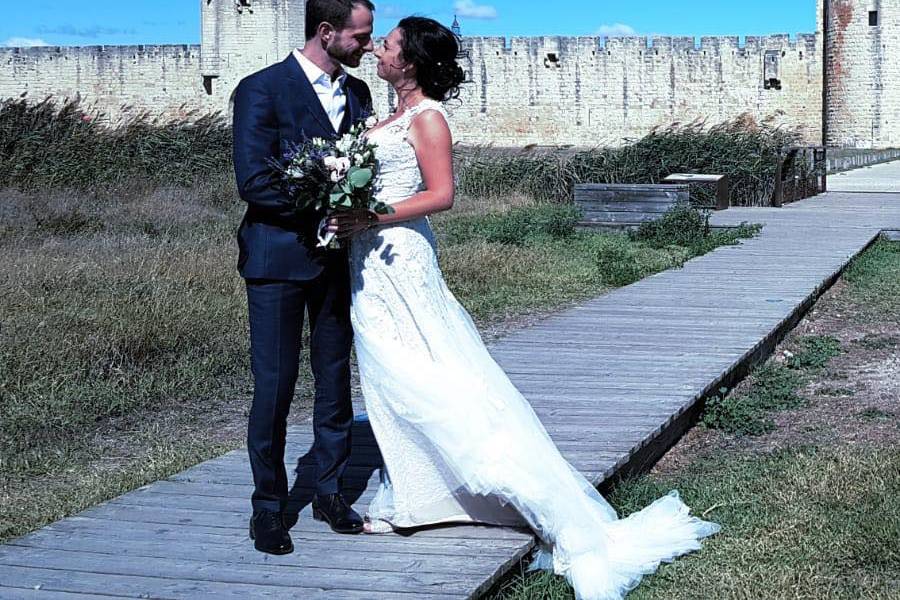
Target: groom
307, 95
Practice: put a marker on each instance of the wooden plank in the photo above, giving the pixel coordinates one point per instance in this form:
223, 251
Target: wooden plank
411, 581
644, 188
153, 587
240, 550
126, 515
619, 217
632, 204
308, 556
8, 593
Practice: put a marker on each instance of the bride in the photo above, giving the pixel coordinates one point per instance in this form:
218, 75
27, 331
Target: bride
460, 443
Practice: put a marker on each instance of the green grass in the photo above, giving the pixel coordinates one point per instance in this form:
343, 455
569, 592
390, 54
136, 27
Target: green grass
797, 524
772, 387
876, 414
874, 278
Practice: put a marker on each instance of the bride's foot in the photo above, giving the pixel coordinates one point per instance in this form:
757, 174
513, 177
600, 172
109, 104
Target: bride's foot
377, 526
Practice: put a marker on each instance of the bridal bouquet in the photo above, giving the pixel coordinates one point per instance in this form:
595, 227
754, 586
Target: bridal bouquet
332, 175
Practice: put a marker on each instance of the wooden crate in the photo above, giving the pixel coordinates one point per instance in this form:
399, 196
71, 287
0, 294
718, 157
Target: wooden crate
718, 182
620, 205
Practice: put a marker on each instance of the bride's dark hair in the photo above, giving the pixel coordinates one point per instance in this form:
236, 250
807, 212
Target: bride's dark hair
432, 48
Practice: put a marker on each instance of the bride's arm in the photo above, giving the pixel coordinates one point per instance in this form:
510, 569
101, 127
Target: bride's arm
430, 136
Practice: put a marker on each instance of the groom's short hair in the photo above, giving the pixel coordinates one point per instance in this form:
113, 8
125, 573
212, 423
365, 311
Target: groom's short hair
336, 12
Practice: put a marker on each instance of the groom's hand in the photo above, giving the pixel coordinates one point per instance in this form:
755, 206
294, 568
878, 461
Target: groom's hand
346, 223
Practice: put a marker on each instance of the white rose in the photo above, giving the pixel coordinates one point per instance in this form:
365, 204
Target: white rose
331, 163
338, 167
371, 122
344, 144
358, 158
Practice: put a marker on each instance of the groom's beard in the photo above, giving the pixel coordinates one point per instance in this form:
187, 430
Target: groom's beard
348, 59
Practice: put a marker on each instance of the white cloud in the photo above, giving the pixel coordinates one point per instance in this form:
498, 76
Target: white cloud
23, 42
616, 29
392, 11
468, 8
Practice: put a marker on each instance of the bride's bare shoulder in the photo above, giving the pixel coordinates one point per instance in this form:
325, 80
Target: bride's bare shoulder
430, 125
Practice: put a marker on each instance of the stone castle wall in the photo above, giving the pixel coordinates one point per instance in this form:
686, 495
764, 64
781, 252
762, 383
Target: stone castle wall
580, 91
115, 79
863, 104
549, 90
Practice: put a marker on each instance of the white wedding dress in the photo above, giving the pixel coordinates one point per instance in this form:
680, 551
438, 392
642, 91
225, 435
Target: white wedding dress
459, 442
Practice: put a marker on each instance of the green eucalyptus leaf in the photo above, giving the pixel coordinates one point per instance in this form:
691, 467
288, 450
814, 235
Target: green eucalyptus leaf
336, 199
360, 178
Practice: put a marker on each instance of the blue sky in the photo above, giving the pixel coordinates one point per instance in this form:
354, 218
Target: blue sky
71, 23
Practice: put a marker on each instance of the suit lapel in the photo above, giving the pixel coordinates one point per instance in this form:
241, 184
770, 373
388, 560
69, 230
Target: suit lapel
352, 109
306, 93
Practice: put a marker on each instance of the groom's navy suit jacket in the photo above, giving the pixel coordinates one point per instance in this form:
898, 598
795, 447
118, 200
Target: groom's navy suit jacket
274, 109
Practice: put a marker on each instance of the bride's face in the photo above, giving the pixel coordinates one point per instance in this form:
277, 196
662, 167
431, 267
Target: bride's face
392, 67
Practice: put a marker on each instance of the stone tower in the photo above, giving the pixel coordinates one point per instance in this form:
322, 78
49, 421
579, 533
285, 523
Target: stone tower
862, 72
239, 37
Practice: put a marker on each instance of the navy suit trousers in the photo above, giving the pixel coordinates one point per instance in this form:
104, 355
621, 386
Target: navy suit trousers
276, 311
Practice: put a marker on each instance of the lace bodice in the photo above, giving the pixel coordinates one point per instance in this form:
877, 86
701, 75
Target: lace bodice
398, 175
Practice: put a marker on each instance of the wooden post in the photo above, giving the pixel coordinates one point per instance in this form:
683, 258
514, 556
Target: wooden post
778, 192
820, 167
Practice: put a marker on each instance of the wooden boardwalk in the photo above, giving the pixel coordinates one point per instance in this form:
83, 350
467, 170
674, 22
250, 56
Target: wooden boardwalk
615, 380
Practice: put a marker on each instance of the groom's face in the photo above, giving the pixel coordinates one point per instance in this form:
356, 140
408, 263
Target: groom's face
349, 44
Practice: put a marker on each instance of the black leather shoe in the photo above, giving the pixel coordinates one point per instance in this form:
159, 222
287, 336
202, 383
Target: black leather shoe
335, 511
268, 533
289, 519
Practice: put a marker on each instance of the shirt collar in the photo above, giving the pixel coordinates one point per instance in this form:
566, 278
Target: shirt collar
315, 74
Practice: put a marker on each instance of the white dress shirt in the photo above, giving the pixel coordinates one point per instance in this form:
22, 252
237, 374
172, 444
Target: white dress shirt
330, 92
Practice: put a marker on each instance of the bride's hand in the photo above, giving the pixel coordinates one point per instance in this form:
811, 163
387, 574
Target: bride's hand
346, 223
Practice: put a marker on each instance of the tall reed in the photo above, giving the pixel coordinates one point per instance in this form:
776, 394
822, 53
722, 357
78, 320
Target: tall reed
742, 149
49, 145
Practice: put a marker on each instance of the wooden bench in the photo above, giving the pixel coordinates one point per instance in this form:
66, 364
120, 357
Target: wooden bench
719, 181
620, 205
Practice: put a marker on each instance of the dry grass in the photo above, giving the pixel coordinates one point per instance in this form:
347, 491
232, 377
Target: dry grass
124, 347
